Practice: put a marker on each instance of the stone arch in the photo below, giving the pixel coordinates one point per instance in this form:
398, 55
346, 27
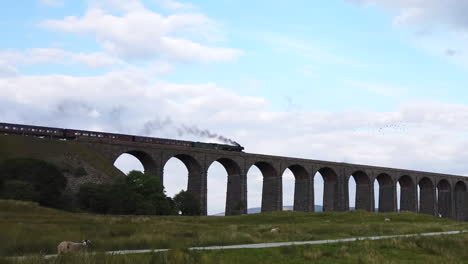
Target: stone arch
303, 191
330, 189
272, 187
460, 196
149, 164
426, 196
387, 193
444, 198
364, 191
196, 184
408, 194
193, 166
235, 203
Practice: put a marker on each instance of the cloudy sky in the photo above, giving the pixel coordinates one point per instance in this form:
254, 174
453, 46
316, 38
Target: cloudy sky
379, 82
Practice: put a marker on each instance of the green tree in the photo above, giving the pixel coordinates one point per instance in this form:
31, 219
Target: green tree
152, 192
45, 178
138, 193
122, 199
144, 184
94, 197
19, 190
186, 203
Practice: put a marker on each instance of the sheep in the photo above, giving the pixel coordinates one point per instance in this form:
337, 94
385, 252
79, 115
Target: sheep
387, 219
67, 246
274, 230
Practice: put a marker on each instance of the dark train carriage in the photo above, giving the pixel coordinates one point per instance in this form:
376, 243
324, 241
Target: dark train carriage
31, 130
164, 141
73, 134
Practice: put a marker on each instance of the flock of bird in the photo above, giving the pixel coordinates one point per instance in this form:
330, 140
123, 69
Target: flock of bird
391, 128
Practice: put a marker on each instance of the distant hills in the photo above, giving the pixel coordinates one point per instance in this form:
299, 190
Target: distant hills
256, 210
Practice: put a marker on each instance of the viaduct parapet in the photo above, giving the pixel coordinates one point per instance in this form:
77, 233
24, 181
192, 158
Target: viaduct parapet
439, 194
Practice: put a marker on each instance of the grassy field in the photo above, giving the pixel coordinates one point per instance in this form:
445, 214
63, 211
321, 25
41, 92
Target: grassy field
442, 249
26, 228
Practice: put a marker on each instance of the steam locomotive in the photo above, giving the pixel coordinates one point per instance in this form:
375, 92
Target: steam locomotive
71, 134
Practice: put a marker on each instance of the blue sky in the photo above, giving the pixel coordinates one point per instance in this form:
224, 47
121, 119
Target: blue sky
378, 82
340, 54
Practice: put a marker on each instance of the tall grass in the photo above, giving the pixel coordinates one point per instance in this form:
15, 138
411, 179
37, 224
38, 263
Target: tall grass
440, 250
26, 228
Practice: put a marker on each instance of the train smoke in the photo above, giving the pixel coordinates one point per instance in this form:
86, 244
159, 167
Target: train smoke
204, 133
182, 130
157, 125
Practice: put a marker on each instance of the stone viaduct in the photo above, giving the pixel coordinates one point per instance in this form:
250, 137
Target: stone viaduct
440, 194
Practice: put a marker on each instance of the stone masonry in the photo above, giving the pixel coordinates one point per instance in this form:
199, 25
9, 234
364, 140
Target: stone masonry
438, 193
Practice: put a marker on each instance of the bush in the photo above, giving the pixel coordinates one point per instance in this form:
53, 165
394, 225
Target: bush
186, 203
139, 194
94, 197
19, 190
152, 191
123, 200
43, 181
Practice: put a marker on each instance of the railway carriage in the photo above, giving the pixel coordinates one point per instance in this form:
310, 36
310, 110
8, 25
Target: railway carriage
31, 130
71, 134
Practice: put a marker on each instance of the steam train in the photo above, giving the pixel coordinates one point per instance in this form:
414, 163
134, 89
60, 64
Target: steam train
71, 134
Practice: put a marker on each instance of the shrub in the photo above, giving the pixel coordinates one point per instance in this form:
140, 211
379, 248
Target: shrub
19, 190
45, 178
93, 197
138, 194
187, 204
152, 191
123, 200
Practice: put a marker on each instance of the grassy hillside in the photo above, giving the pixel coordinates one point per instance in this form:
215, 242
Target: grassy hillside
53, 150
26, 228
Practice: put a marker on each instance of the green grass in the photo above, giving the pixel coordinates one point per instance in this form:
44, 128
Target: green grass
441, 249
26, 228
53, 150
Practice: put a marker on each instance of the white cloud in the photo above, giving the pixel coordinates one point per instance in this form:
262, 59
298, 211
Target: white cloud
440, 25
144, 34
448, 12
312, 51
120, 5
174, 5
59, 56
378, 88
6, 70
309, 71
51, 3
